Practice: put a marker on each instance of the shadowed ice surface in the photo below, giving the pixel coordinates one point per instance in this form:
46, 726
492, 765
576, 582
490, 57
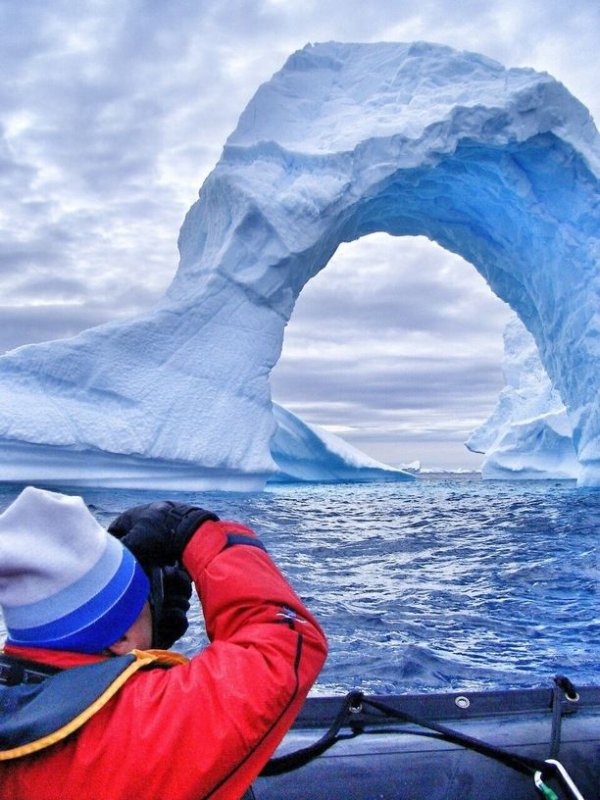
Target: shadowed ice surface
433, 585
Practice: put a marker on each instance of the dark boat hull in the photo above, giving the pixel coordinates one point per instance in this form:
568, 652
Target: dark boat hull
391, 760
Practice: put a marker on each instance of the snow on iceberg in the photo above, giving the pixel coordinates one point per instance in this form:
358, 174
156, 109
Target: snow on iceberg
498, 165
529, 434
305, 452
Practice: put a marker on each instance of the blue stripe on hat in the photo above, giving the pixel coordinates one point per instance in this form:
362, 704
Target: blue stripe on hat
71, 597
98, 622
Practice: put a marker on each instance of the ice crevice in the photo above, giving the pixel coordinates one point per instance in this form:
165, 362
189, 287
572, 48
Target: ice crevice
498, 165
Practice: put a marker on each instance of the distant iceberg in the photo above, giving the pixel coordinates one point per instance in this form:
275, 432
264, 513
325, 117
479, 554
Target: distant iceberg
529, 434
498, 165
414, 467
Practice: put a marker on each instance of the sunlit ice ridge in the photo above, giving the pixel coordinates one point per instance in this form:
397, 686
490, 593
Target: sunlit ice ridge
498, 165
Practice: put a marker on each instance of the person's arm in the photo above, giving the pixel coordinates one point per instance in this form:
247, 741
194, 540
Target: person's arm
266, 652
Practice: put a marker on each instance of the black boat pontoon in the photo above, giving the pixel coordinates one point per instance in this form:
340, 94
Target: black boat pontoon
493, 745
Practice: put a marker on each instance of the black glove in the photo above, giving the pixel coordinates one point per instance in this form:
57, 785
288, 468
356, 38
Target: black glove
157, 533
171, 590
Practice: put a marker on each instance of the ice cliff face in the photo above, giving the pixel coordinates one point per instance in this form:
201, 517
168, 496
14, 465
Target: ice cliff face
498, 165
529, 434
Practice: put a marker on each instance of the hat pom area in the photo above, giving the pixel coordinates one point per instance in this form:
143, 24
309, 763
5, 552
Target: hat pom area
65, 582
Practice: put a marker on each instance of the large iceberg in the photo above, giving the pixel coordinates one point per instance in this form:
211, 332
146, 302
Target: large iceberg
529, 434
498, 165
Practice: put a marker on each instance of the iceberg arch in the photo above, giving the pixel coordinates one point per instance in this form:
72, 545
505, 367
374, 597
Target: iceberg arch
498, 165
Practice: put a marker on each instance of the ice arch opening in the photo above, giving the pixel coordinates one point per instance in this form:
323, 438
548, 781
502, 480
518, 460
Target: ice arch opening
396, 346
498, 165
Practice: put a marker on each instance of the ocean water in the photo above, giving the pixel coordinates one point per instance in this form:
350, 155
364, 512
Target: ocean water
438, 584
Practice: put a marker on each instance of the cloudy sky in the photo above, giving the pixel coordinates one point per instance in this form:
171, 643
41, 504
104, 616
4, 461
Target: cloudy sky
113, 112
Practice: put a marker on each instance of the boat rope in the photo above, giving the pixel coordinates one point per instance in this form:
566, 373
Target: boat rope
351, 705
354, 702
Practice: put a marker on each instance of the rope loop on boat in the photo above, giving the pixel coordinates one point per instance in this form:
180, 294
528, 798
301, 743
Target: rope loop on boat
351, 706
564, 697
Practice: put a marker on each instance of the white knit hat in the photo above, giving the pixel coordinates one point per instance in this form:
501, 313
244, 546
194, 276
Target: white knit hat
65, 582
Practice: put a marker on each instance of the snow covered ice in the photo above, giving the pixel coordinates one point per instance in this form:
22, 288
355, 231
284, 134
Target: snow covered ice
498, 165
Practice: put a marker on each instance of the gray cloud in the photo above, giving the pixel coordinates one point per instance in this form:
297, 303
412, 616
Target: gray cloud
59, 311
113, 113
387, 281
25, 325
397, 341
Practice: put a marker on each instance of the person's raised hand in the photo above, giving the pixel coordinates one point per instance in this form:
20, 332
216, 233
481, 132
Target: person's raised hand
157, 533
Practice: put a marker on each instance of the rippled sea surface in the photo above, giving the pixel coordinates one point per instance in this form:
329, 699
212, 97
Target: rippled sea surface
427, 586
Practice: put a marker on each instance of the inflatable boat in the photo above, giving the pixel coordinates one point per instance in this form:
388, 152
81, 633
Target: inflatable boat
496, 745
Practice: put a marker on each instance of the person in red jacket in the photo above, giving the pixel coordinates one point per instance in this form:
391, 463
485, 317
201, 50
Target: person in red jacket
86, 710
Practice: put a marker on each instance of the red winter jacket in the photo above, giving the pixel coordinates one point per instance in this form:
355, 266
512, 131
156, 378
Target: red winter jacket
198, 730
